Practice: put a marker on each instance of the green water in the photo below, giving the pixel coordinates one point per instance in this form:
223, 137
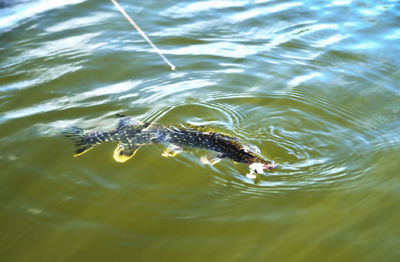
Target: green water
313, 84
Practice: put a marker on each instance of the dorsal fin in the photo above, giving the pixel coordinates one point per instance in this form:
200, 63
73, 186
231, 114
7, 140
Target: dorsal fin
123, 122
127, 121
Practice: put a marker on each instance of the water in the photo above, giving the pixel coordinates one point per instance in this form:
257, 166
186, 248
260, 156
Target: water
313, 84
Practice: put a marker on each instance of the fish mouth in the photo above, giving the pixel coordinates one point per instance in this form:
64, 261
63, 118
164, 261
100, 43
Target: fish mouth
269, 166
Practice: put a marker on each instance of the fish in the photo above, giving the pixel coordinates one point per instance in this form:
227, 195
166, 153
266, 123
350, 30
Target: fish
132, 134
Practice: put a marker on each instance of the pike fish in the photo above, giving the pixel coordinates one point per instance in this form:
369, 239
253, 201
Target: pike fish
132, 134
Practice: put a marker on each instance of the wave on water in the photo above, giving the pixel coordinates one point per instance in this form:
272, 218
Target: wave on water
296, 87
11, 15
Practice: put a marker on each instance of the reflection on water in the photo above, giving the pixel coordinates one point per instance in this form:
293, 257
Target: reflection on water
16, 11
313, 85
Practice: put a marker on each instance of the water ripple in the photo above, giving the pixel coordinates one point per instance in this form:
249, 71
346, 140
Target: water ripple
21, 12
297, 86
311, 85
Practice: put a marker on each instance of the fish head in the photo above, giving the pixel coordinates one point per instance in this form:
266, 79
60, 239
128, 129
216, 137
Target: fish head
269, 165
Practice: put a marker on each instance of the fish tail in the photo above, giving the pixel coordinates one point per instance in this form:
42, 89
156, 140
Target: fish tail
83, 143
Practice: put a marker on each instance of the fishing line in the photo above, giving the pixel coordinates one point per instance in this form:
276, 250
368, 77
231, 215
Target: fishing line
143, 34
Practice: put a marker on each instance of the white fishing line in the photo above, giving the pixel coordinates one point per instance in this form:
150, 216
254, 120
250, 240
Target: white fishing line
142, 34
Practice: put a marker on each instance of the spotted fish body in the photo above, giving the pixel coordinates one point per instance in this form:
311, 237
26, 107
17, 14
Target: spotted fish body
226, 146
132, 134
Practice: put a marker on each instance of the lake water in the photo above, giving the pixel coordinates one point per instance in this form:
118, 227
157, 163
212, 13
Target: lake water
313, 84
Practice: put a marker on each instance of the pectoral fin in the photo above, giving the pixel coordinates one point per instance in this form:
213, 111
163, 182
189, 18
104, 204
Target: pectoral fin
211, 159
123, 153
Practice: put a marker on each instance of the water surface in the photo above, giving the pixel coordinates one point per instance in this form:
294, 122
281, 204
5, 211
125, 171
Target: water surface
314, 85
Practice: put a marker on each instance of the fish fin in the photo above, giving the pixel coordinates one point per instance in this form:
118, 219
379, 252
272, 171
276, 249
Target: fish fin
211, 160
82, 143
172, 150
125, 121
123, 153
